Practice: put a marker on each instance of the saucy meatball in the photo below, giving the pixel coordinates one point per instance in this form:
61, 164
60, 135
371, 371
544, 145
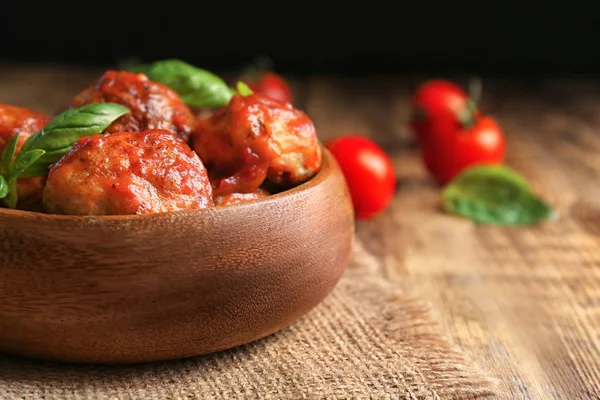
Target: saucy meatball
143, 172
15, 119
255, 138
237, 198
152, 104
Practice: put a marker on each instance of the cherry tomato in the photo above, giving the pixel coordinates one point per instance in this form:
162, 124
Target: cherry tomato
272, 85
446, 154
368, 171
443, 102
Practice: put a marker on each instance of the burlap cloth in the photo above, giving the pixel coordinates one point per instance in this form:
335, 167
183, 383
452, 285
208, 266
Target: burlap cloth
366, 340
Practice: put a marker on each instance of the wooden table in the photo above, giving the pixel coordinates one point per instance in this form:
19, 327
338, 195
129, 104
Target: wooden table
524, 303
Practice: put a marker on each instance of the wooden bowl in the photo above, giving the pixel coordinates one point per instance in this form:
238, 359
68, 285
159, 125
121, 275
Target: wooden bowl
127, 289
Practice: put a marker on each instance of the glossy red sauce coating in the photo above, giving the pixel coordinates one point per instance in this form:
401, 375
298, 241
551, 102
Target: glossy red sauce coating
255, 138
128, 173
237, 198
152, 104
15, 119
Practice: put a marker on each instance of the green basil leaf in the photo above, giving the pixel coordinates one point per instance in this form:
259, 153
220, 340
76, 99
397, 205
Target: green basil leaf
53, 156
42, 165
3, 187
8, 154
12, 196
195, 86
494, 194
68, 127
36, 169
24, 160
243, 89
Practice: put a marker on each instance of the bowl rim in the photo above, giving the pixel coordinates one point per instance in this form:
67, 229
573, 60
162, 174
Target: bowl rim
327, 165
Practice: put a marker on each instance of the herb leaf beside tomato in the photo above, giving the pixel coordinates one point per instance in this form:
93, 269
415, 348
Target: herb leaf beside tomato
494, 194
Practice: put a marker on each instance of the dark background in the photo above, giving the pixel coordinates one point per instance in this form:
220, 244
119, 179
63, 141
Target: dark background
303, 38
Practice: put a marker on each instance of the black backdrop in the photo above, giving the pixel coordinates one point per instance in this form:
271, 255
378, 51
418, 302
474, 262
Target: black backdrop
303, 38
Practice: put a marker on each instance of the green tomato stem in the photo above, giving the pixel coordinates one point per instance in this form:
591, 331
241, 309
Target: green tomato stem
466, 116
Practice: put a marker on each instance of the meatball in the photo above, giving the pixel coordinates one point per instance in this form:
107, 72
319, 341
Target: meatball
237, 198
255, 138
152, 104
19, 119
143, 172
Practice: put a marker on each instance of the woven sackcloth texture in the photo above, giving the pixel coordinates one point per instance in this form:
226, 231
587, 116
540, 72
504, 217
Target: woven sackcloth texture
366, 340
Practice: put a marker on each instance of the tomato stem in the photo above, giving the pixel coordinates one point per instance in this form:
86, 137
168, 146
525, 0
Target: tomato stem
467, 116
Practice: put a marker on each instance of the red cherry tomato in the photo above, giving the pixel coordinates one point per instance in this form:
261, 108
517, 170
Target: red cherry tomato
274, 86
368, 171
446, 154
443, 102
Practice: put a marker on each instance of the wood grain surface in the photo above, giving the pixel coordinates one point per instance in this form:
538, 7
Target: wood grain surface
524, 303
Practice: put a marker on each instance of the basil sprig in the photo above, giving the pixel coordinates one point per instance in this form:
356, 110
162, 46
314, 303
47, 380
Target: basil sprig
52, 142
495, 194
196, 86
